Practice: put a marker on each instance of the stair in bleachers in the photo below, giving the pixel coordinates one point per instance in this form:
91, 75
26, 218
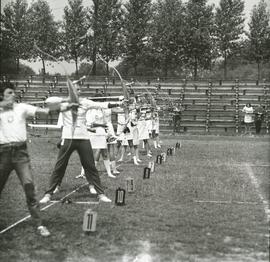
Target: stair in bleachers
216, 112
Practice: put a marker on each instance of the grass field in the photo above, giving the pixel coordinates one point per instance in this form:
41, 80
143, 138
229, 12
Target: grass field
209, 202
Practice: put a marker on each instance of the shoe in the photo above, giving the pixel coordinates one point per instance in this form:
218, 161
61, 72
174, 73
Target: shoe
45, 199
159, 146
135, 161
139, 160
129, 154
111, 175
92, 190
80, 176
113, 168
56, 190
103, 198
116, 172
43, 231
149, 155
120, 160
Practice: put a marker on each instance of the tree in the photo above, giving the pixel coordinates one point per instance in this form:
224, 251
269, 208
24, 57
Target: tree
108, 30
167, 35
258, 35
74, 31
229, 26
198, 34
15, 32
136, 29
44, 31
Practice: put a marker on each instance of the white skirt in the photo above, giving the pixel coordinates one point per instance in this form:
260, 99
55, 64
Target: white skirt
149, 125
143, 130
98, 139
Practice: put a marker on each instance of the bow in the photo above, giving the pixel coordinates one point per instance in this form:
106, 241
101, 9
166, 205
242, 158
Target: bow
152, 101
124, 88
73, 95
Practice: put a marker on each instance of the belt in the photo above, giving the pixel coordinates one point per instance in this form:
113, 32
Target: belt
13, 145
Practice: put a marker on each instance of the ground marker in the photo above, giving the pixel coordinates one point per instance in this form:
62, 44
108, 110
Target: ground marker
130, 185
120, 195
146, 173
159, 159
151, 165
164, 157
89, 221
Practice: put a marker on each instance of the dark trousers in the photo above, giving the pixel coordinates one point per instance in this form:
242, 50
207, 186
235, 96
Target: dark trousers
258, 125
14, 156
84, 149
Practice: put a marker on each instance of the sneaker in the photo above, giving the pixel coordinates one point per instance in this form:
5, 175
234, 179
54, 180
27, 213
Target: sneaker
92, 190
149, 155
103, 198
135, 161
116, 172
139, 160
45, 199
80, 176
43, 231
111, 175
56, 190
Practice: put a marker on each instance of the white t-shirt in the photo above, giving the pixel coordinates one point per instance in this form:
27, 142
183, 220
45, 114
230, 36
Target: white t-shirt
80, 130
13, 123
248, 118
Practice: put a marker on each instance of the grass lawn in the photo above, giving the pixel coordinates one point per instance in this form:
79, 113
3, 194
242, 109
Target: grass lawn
209, 202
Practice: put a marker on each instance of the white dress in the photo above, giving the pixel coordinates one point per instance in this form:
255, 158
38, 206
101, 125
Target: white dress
142, 126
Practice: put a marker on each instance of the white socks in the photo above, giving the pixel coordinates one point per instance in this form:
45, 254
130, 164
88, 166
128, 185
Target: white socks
108, 168
135, 161
115, 171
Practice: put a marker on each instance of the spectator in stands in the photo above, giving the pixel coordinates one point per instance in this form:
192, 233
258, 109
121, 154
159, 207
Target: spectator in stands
13, 148
259, 112
248, 117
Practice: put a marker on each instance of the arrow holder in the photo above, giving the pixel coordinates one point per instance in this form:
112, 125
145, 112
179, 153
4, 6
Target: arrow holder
164, 157
178, 145
151, 165
159, 159
130, 185
89, 221
169, 152
146, 173
120, 195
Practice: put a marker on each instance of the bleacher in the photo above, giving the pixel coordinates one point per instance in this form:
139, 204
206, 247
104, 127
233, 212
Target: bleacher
207, 106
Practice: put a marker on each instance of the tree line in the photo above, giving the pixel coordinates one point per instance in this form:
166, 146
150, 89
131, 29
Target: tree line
163, 37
